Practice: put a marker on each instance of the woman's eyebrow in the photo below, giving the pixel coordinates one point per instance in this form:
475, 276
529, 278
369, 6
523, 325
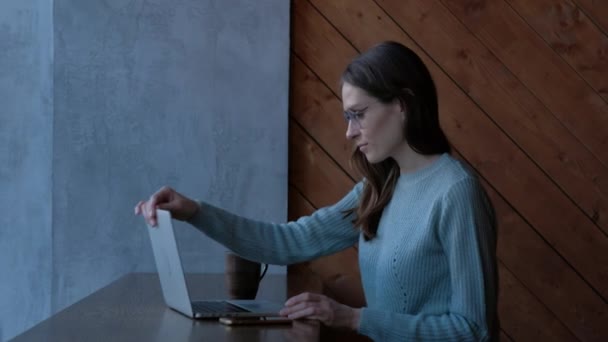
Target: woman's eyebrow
353, 108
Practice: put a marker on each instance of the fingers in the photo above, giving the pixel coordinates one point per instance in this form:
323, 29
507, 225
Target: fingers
309, 312
145, 213
138, 210
169, 206
304, 297
293, 308
148, 208
308, 305
164, 195
181, 207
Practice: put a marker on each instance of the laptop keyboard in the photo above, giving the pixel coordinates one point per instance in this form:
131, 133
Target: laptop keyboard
215, 307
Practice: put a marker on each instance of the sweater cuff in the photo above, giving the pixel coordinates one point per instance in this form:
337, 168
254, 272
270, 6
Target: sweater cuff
369, 324
197, 219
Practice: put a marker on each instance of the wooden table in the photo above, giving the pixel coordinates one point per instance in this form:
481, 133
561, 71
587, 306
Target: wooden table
132, 309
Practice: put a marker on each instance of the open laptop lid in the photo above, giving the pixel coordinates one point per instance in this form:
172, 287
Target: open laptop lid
169, 265
173, 282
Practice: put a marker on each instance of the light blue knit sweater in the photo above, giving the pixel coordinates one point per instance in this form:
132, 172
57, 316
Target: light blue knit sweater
429, 274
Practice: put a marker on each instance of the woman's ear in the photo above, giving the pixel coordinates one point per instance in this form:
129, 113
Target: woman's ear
407, 92
402, 110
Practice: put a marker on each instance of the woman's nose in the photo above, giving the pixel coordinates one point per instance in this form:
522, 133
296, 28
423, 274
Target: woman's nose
352, 131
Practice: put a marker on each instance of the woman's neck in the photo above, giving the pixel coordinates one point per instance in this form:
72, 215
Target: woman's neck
410, 161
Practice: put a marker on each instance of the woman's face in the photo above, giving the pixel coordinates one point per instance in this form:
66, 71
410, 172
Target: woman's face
374, 127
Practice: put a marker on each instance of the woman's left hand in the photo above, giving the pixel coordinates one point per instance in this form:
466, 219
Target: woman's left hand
316, 306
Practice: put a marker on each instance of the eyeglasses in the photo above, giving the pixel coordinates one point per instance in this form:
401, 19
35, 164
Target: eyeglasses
357, 116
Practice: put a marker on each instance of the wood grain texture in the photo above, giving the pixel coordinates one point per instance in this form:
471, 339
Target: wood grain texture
309, 173
504, 337
572, 34
318, 110
132, 309
597, 10
523, 317
328, 266
548, 184
547, 75
506, 166
310, 43
298, 205
548, 277
499, 94
543, 136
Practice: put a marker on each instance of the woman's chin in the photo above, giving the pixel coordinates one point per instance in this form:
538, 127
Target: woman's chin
375, 158
372, 159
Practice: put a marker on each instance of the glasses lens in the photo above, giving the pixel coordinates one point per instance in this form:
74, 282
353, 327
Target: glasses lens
351, 117
346, 116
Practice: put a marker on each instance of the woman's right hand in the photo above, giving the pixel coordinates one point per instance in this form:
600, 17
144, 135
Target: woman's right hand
181, 207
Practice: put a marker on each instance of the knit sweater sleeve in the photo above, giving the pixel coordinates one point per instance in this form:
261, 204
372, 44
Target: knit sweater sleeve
324, 232
466, 230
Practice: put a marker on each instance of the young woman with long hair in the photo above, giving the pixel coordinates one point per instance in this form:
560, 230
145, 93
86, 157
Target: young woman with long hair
425, 227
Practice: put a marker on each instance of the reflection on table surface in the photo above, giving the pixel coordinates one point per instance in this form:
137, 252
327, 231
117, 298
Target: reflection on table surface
132, 309
176, 327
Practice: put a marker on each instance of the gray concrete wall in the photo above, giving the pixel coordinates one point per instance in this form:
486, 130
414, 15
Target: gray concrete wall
26, 49
192, 94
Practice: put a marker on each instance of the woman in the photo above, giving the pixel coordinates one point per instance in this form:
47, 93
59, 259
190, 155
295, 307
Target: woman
425, 227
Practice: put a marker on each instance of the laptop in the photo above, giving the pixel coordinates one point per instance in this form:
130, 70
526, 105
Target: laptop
175, 289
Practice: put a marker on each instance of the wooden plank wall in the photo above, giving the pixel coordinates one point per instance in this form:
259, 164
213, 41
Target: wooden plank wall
523, 88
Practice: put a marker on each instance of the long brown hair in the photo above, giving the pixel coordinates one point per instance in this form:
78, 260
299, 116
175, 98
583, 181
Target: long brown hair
390, 71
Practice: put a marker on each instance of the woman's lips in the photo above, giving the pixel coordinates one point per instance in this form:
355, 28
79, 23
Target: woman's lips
362, 148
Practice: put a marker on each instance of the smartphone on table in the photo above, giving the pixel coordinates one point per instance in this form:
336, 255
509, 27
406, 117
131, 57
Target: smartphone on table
254, 320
